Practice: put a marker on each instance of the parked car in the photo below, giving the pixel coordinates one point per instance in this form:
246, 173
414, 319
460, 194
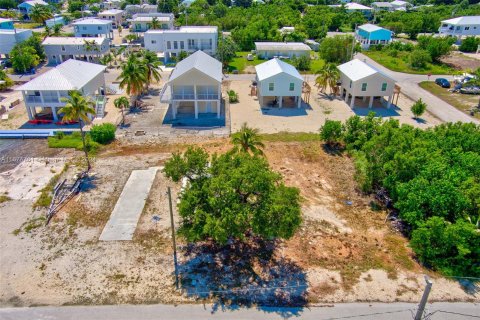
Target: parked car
442, 82
470, 90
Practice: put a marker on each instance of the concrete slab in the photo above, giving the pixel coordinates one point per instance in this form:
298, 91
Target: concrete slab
129, 206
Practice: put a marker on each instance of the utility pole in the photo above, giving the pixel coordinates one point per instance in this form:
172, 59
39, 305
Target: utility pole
169, 193
353, 42
423, 302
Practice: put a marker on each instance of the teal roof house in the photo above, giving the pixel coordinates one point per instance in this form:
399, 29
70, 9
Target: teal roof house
369, 34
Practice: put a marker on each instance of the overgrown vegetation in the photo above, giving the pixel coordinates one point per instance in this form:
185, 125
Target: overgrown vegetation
73, 140
432, 177
103, 133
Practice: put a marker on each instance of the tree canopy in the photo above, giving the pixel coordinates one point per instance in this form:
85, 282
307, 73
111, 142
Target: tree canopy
233, 196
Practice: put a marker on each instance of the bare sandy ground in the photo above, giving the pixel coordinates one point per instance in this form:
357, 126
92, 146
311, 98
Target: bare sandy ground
65, 263
311, 118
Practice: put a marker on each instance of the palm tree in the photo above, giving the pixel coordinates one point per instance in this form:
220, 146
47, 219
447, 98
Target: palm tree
48, 31
40, 13
152, 64
247, 140
133, 76
77, 108
121, 103
155, 24
328, 75
57, 28
90, 46
106, 59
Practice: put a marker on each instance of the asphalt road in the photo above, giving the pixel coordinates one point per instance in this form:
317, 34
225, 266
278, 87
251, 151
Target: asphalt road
409, 84
374, 311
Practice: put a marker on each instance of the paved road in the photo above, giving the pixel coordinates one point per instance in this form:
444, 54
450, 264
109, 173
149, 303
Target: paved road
374, 311
409, 84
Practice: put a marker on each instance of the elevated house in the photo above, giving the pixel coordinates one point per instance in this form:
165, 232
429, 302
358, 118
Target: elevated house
278, 83
188, 39
26, 7
91, 27
114, 15
360, 80
111, 4
382, 6
10, 37
355, 7
400, 5
132, 9
461, 27
61, 49
268, 50
43, 95
194, 88
369, 34
142, 22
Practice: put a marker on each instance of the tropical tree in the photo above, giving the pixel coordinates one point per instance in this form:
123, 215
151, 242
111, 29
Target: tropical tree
328, 75
233, 197
90, 46
152, 65
155, 24
78, 108
247, 140
331, 132
5, 81
226, 50
106, 59
40, 13
57, 28
23, 58
48, 31
121, 103
133, 76
418, 108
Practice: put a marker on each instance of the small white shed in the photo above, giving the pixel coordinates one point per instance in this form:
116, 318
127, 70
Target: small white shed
280, 82
359, 79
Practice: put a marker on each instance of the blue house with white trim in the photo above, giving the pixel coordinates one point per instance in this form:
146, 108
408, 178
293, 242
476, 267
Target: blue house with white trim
26, 7
369, 34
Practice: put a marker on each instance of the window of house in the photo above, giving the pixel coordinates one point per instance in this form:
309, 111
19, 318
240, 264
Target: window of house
350, 83
169, 45
63, 48
99, 28
364, 87
84, 28
175, 44
384, 86
292, 86
182, 45
271, 86
458, 28
154, 41
467, 28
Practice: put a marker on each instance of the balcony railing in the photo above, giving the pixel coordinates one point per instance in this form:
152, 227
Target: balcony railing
207, 96
184, 96
34, 99
200, 47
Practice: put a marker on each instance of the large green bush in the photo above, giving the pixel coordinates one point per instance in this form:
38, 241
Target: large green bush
103, 133
470, 44
433, 178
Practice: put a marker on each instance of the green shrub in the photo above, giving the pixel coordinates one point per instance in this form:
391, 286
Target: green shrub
418, 108
232, 96
103, 133
419, 58
470, 44
331, 132
59, 135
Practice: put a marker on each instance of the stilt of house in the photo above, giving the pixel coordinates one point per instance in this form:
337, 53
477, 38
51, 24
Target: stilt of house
352, 102
370, 104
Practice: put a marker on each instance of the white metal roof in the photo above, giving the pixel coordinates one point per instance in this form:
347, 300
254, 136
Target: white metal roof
91, 21
371, 27
356, 6
199, 61
72, 40
291, 46
34, 2
356, 70
274, 67
188, 29
399, 3
463, 20
70, 75
112, 11
382, 4
5, 20
150, 19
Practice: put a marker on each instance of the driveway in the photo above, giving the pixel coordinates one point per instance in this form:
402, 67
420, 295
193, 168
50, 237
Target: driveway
409, 84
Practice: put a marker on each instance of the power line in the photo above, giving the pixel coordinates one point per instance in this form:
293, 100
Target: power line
451, 312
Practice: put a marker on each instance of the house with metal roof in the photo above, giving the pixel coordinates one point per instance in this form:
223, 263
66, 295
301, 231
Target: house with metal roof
400, 5
114, 15
6, 24
60, 49
268, 50
194, 88
188, 39
370, 34
354, 7
111, 4
43, 95
132, 9
92, 27
278, 84
461, 27
382, 6
361, 80
10, 37
26, 7
142, 22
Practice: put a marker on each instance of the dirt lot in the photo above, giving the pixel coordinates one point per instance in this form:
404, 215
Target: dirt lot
343, 252
311, 117
462, 61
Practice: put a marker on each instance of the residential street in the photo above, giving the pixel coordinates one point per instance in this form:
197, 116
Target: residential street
409, 84
374, 311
